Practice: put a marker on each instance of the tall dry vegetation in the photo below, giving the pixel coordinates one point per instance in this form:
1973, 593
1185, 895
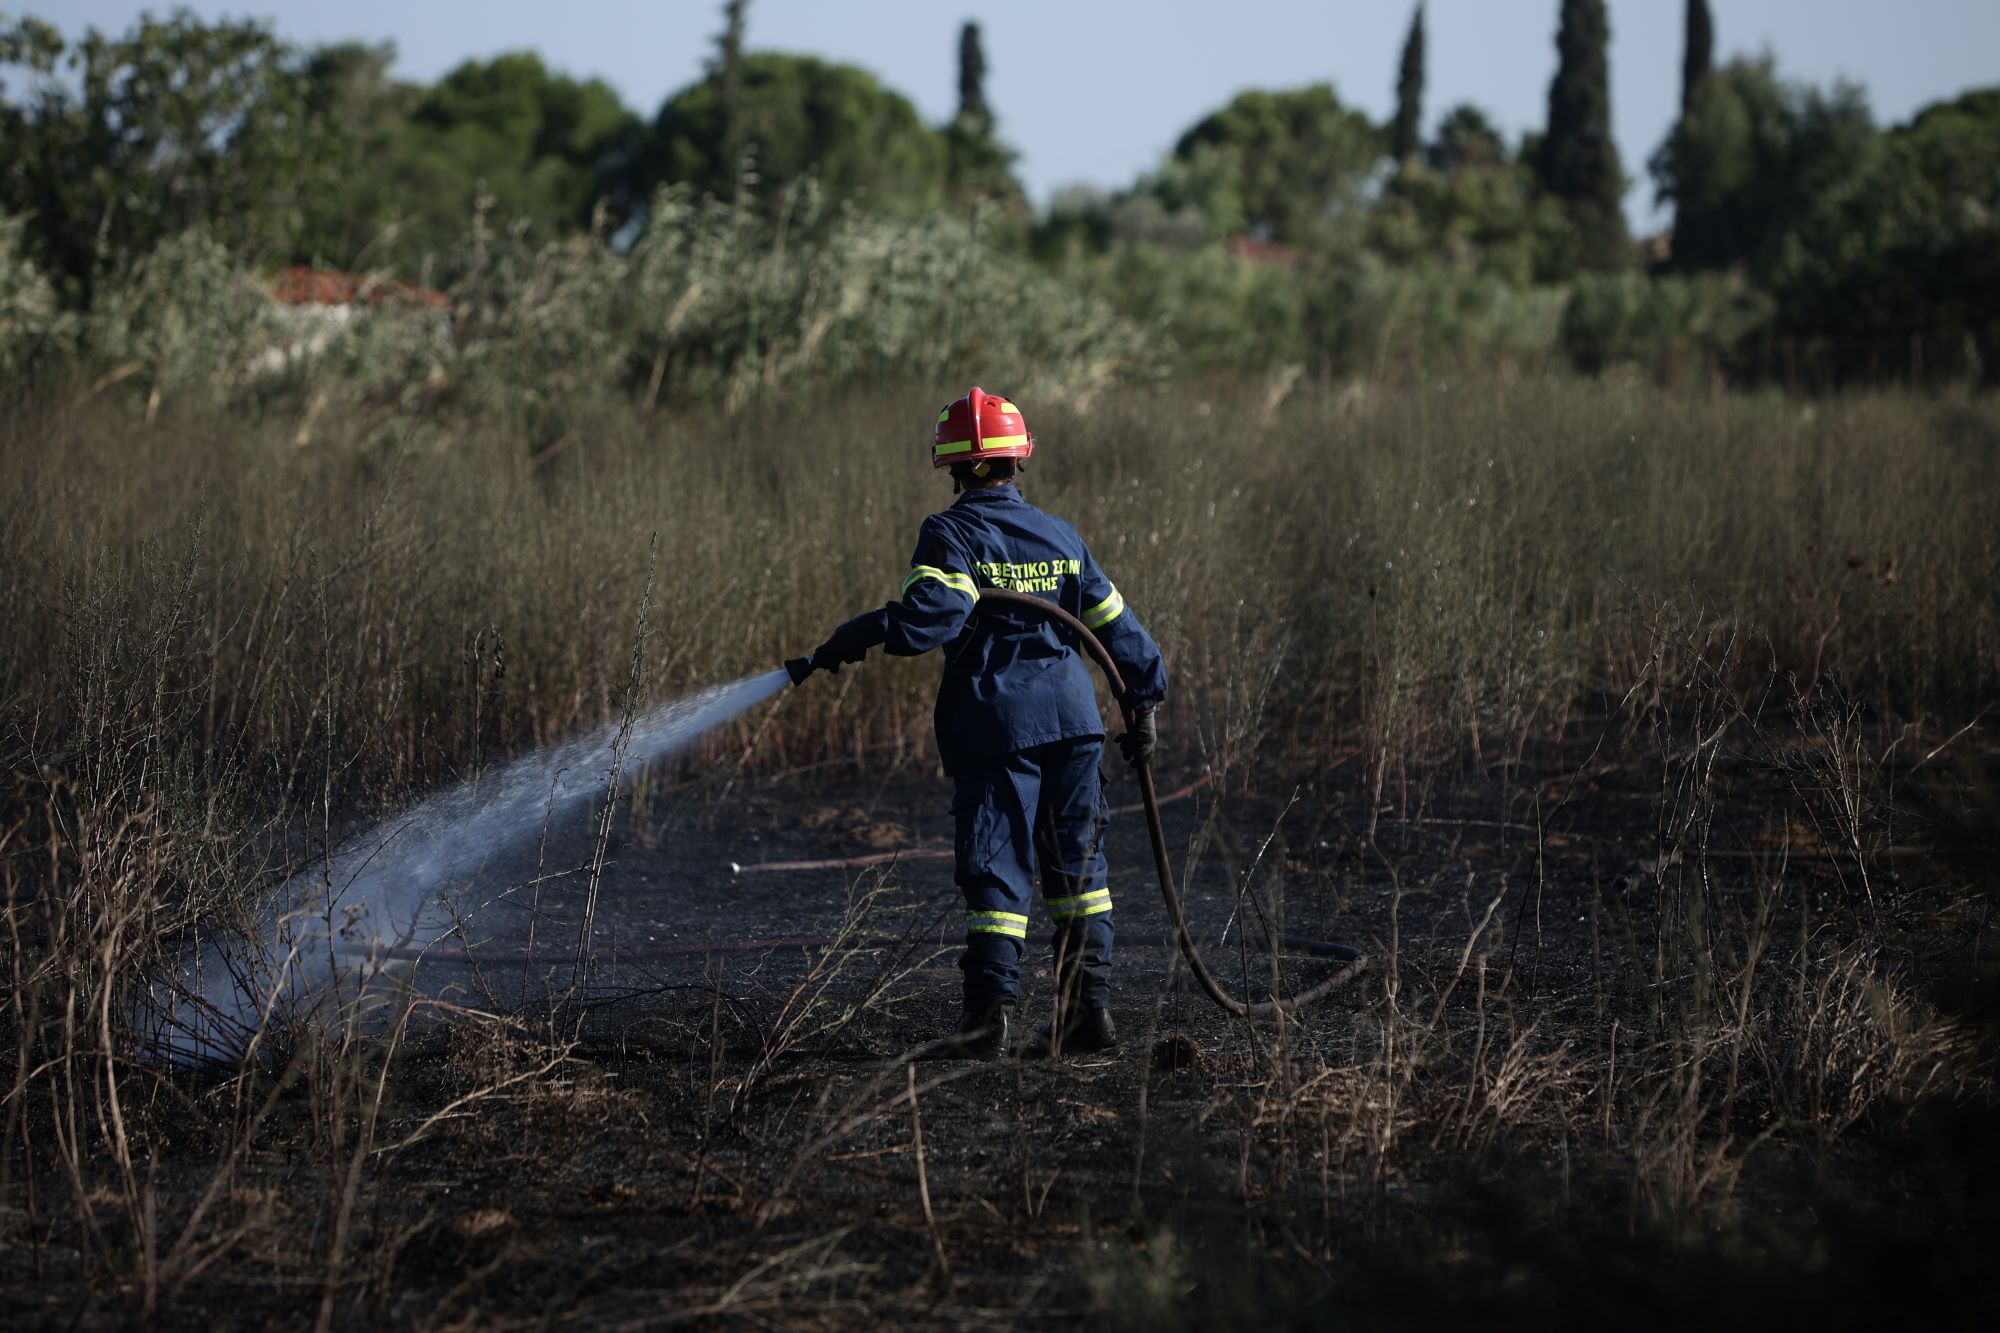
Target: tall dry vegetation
221, 641
1414, 569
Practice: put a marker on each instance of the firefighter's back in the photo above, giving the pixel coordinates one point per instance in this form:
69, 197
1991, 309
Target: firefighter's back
1012, 681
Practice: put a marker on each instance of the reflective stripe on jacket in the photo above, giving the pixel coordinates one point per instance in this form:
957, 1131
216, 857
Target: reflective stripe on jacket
1011, 680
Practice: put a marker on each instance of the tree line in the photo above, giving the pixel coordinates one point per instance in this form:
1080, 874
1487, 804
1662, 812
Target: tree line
107, 144
1801, 228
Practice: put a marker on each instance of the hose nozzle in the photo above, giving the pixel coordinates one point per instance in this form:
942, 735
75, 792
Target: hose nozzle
798, 668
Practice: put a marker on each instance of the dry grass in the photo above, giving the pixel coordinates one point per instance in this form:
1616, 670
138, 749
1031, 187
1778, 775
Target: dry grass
226, 649
1417, 570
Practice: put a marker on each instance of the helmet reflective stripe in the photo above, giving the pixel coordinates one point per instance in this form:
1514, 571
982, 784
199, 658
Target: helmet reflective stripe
987, 445
1106, 611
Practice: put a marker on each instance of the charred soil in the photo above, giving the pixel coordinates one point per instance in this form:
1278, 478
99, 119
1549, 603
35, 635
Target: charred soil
1646, 1035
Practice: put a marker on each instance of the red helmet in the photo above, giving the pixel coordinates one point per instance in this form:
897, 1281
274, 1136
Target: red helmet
977, 427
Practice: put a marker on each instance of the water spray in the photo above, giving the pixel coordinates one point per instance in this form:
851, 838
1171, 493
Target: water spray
331, 938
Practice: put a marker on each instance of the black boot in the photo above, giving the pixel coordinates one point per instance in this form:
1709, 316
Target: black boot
981, 1034
1087, 1029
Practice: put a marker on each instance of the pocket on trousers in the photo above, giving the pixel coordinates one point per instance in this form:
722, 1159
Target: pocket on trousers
1101, 817
972, 821
961, 840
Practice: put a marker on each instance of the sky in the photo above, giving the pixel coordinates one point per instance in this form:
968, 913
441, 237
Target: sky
1097, 91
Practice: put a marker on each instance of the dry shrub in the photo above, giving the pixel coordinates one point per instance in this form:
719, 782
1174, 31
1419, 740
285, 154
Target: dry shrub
1853, 1042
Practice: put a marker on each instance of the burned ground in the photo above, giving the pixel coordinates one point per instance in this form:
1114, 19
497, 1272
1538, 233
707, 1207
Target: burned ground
1624, 1049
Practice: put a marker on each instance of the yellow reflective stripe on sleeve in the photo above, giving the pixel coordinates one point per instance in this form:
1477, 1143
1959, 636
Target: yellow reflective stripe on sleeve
997, 923
1085, 904
957, 582
1106, 611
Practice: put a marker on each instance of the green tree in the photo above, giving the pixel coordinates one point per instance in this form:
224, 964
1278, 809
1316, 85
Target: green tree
507, 135
1698, 55
978, 165
114, 144
1277, 164
1577, 163
1466, 140
1900, 266
1465, 205
1404, 137
1753, 161
351, 82
802, 116
972, 77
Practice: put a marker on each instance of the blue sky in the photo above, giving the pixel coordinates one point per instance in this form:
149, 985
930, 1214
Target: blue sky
1095, 91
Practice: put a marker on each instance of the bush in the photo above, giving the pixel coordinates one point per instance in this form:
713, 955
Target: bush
723, 303
1375, 320
186, 318
711, 303
33, 325
1669, 326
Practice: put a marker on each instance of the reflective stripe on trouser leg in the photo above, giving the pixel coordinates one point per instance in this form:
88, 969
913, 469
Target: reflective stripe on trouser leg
995, 870
997, 923
1069, 846
1080, 906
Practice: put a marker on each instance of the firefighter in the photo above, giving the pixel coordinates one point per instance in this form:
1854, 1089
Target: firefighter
1018, 726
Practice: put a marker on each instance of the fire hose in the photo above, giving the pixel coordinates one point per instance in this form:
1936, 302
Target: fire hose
1352, 960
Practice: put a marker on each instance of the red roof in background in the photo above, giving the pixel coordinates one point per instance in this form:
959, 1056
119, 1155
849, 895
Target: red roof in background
302, 284
1254, 251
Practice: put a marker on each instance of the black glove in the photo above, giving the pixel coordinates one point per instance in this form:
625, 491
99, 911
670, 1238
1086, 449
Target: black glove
1141, 735
849, 643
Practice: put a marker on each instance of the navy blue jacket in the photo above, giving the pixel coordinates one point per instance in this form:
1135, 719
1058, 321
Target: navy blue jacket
1011, 680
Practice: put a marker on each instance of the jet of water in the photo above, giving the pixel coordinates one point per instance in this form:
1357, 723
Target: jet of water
409, 881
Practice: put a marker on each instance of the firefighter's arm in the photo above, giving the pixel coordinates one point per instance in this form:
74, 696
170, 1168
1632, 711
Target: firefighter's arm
1117, 627
936, 599
929, 611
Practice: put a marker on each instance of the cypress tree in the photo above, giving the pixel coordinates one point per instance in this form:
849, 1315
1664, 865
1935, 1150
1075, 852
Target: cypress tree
1578, 162
728, 73
1404, 140
1699, 55
978, 165
972, 78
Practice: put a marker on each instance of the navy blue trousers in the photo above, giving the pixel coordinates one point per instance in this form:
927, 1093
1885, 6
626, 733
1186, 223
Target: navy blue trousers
1031, 820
